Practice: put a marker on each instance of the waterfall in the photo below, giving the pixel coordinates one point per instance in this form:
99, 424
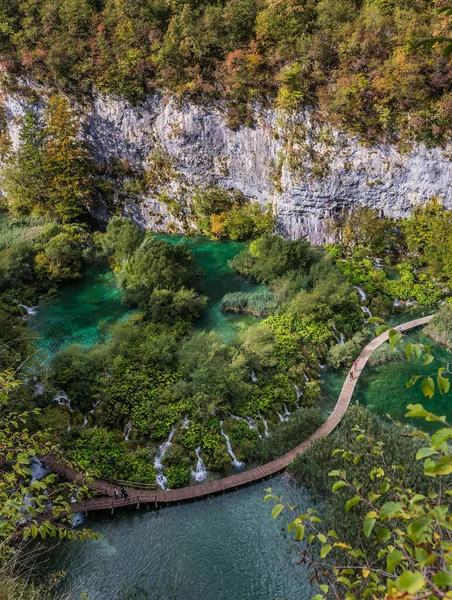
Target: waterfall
126, 432
397, 302
322, 366
298, 390
39, 389
286, 412
63, 400
249, 421
253, 376
235, 463
78, 519
366, 311
161, 451
38, 470
281, 418
30, 310
91, 412
361, 293
264, 421
341, 339
200, 473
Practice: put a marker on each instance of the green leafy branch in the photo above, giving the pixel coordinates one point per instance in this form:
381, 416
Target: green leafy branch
419, 352
412, 531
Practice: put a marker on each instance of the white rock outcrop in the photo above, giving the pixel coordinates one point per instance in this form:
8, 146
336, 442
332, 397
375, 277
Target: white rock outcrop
206, 152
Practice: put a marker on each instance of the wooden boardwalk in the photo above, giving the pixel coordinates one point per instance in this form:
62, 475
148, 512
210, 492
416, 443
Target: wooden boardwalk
106, 500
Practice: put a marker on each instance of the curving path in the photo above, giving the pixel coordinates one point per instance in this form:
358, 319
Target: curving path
161, 497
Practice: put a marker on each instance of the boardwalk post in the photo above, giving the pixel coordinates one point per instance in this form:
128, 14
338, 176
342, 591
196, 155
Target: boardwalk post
138, 501
112, 507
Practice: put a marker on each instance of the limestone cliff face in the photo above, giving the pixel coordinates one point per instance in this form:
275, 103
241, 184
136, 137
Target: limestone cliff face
256, 161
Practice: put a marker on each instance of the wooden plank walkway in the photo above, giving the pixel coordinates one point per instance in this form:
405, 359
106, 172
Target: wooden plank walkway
161, 497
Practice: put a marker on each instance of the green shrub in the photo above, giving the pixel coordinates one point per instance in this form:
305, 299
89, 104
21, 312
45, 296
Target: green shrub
178, 476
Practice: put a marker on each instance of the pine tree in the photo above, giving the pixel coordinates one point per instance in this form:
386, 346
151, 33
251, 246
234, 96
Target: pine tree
24, 179
67, 161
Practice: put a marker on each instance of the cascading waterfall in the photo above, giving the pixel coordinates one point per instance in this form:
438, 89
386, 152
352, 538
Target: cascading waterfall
161, 480
235, 463
363, 297
341, 339
249, 421
286, 412
30, 310
264, 421
253, 376
78, 518
38, 469
126, 432
201, 472
281, 418
63, 400
91, 412
362, 293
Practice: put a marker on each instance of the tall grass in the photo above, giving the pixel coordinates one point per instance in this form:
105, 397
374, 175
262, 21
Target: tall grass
260, 304
19, 229
302, 423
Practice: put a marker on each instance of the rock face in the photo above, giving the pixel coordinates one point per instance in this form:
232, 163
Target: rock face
204, 151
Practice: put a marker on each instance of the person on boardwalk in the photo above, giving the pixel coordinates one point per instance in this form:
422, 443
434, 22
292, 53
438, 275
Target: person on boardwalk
351, 374
123, 492
355, 366
115, 493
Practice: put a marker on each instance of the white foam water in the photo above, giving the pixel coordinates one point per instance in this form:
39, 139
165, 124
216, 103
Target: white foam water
200, 474
362, 293
29, 310
78, 519
126, 432
63, 400
161, 480
253, 376
235, 463
249, 421
264, 421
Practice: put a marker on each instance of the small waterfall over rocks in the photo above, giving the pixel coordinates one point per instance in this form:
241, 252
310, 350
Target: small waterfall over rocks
341, 339
161, 480
38, 469
264, 421
249, 421
253, 376
200, 474
91, 412
63, 400
235, 463
362, 293
126, 432
29, 310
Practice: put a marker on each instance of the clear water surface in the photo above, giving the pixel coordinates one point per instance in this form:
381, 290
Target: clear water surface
383, 389
77, 314
224, 548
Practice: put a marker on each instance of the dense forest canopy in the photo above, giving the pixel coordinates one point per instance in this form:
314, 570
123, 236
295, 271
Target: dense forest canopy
355, 62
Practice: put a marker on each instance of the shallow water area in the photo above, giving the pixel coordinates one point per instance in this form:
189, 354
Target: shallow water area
224, 548
77, 314
383, 388
219, 279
